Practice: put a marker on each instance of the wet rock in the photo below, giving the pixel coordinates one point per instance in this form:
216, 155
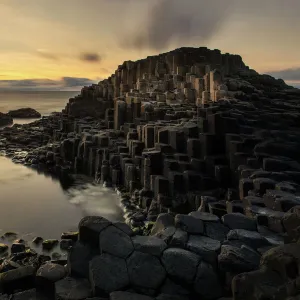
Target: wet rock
205, 247
90, 229
206, 282
71, 235
37, 240
72, 289
189, 224
179, 239
49, 244
24, 113
128, 296
250, 238
66, 244
3, 248
180, 264
145, 270
21, 278
108, 273
17, 248
149, 244
239, 221
115, 242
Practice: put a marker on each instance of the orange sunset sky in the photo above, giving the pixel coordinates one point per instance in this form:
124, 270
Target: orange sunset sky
44, 41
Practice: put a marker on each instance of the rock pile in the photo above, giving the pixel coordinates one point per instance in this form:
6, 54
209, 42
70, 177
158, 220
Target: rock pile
204, 152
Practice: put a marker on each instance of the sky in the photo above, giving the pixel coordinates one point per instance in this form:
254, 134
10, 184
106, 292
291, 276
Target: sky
65, 44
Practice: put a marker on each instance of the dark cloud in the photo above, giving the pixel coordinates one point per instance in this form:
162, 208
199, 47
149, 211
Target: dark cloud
90, 57
46, 84
292, 74
177, 20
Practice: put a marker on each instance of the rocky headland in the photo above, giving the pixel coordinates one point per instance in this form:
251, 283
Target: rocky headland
204, 153
24, 113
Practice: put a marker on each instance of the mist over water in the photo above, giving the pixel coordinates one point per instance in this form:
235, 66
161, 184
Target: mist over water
33, 204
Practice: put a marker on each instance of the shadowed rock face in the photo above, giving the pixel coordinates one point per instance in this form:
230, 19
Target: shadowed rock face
24, 113
5, 119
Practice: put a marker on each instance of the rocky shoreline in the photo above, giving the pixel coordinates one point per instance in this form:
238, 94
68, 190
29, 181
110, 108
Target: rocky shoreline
205, 155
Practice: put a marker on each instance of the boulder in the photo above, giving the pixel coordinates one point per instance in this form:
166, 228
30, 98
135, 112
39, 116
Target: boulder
72, 289
169, 287
237, 260
27, 295
250, 238
239, 221
128, 296
171, 297
24, 113
216, 231
149, 244
79, 257
108, 273
189, 224
124, 227
70, 235
5, 119
17, 248
205, 247
206, 283
180, 264
204, 216
179, 239
145, 270
21, 278
90, 229
163, 221
49, 244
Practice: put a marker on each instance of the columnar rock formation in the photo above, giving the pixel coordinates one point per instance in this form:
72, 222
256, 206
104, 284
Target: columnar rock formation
204, 152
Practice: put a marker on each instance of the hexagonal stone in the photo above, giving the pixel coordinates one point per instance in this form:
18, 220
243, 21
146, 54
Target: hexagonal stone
128, 296
149, 244
171, 288
206, 247
204, 216
115, 242
179, 239
181, 264
239, 221
79, 257
108, 273
72, 289
250, 238
124, 227
206, 283
145, 270
216, 231
189, 224
90, 228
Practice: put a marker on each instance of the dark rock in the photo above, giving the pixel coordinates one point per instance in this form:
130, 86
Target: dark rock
78, 260
180, 264
72, 289
3, 248
171, 288
128, 296
204, 216
250, 238
108, 274
5, 119
37, 240
115, 242
66, 244
24, 113
149, 244
90, 229
179, 239
171, 297
216, 231
71, 235
19, 279
49, 244
239, 221
189, 224
205, 247
163, 221
17, 248
124, 227
145, 270
206, 283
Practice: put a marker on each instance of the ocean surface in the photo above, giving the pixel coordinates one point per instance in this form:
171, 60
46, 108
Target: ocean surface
33, 204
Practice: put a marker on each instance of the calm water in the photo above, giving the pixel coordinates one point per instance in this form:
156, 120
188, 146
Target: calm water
33, 204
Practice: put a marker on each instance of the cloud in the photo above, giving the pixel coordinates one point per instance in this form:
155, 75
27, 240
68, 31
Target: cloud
90, 57
48, 55
177, 20
64, 83
292, 74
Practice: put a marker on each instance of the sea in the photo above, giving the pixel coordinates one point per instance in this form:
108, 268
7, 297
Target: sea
33, 204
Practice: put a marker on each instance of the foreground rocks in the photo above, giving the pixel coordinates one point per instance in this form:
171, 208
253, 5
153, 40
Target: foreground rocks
5, 119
